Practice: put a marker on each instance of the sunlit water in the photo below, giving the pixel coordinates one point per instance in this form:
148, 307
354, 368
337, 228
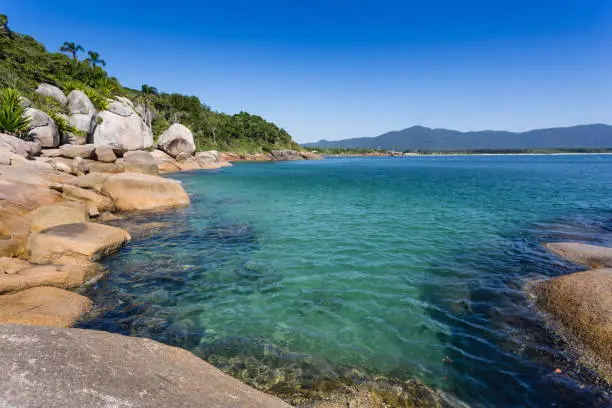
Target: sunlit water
403, 267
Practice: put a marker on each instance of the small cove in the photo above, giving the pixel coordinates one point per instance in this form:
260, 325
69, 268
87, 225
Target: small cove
402, 267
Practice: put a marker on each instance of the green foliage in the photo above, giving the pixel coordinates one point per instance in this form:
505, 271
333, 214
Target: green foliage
63, 127
24, 63
13, 119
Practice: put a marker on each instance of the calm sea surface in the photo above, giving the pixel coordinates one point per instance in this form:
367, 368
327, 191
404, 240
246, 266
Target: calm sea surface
401, 267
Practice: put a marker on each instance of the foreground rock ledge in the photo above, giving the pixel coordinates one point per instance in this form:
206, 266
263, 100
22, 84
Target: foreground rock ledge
73, 368
582, 302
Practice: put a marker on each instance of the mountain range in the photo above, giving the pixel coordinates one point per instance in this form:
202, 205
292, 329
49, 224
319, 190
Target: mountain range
419, 138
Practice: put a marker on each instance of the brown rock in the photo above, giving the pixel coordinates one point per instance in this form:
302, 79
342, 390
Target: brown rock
58, 276
140, 162
78, 167
44, 306
34, 175
310, 155
51, 215
285, 155
74, 243
100, 167
95, 202
590, 255
72, 151
19, 146
86, 368
90, 181
104, 154
10, 266
132, 191
51, 153
188, 164
582, 302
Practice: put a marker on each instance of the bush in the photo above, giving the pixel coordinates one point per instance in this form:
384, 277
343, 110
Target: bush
13, 119
63, 127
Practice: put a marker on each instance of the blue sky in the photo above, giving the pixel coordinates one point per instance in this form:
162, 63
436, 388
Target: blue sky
339, 69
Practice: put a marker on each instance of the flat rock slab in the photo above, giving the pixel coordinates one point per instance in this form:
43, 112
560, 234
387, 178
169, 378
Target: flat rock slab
42, 306
9, 266
58, 276
134, 191
74, 243
582, 302
73, 368
48, 216
590, 255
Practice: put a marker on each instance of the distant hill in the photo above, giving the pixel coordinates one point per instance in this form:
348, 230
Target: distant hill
427, 139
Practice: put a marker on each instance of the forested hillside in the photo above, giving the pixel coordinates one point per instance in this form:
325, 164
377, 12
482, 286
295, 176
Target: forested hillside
24, 63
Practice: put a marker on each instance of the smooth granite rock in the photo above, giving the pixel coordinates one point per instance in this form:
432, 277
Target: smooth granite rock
582, 302
133, 191
120, 127
48, 216
19, 146
590, 255
140, 162
285, 155
42, 128
177, 139
57, 276
73, 368
52, 92
10, 266
82, 151
44, 306
74, 243
104, 154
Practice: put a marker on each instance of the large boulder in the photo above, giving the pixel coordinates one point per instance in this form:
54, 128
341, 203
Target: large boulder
133, 191
52, 92
286, 155
42, 128
120, 127
101, 167
104, 154
89, 181
140, 162
48, 216
165, 162
84, 123
75, 243
590, 255
79, 104
582, 302
77, 368
57, 276
177, 139
208, 160
82, 151
44, 306
19, 146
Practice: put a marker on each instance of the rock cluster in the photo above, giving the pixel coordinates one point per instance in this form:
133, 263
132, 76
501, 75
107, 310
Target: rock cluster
582, 302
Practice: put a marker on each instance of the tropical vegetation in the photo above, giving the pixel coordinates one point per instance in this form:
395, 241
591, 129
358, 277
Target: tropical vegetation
13, 118
24, 63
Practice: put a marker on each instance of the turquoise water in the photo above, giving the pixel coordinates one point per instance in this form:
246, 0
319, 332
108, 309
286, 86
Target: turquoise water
402, 267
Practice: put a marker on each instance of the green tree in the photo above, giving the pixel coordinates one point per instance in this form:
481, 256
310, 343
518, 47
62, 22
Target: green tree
13, 118
147, 92
71, 49
94, 59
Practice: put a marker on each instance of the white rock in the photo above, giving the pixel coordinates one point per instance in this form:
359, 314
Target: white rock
42, 128
79, 103
177, 139
120, 127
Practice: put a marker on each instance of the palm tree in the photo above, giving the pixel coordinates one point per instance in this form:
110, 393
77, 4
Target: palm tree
147, 91
71, 48
94, 59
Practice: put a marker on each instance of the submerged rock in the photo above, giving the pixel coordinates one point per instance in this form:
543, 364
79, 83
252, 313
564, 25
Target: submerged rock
582, 302
44, 306
590, 255
89, 368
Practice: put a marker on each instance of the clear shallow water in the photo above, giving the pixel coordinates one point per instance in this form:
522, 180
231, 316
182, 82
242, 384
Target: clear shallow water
400, 267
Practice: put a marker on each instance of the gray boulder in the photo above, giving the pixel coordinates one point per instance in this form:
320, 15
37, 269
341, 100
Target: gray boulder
286, 155
77, 368
104, 154
79, 103
19, 146
120, 127
177, 139
42, 128
52, 92
25, 102
140, 162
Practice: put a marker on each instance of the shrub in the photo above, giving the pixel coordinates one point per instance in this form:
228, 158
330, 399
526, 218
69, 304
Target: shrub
13, 119
63, 127
99, 101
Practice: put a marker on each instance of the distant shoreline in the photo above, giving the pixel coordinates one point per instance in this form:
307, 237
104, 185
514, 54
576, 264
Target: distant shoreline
466, 154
